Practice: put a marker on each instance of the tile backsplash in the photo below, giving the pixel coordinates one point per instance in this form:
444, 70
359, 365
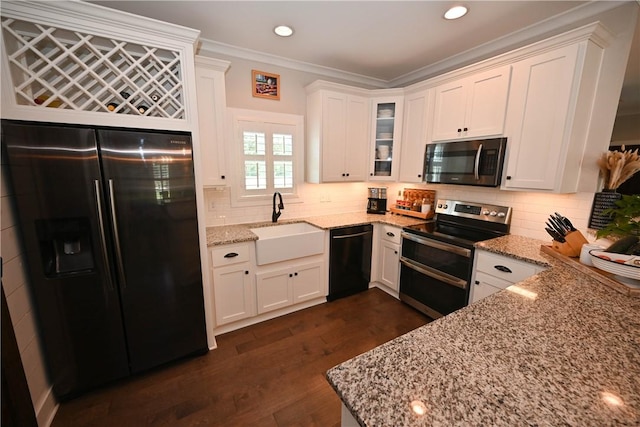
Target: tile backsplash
530, 210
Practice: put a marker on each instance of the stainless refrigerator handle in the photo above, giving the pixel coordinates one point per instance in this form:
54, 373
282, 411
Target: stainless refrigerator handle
476, 165
103, 241
116, 235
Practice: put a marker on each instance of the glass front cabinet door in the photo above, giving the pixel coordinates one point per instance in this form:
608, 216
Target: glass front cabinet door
386, 132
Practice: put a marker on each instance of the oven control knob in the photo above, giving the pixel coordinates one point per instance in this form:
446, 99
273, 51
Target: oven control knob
493, 213
501, 214
485, 212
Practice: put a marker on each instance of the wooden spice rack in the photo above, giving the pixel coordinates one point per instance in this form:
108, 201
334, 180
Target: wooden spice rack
412, 195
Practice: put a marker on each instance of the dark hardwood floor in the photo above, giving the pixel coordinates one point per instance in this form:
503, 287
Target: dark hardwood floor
270, 374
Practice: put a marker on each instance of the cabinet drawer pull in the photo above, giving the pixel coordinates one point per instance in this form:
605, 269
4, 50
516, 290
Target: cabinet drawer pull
503, 268
231, 255
390, 234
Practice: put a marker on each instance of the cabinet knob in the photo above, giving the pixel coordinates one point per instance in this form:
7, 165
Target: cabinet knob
459, 130
222, 177
347, 174
344, 175
465, 129
371, 174
295, 274
477, 282
503, 268
246, 272
508, 176
395, 252
419, 175
290, 275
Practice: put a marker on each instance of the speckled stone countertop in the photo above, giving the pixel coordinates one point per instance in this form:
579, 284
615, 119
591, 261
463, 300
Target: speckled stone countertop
225, 234
569, 354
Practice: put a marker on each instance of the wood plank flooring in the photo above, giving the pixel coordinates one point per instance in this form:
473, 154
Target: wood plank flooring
271, 374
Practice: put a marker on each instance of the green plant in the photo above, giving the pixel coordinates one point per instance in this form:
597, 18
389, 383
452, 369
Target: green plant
625, 218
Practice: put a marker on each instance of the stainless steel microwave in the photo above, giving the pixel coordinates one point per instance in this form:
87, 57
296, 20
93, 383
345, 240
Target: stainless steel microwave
473, 162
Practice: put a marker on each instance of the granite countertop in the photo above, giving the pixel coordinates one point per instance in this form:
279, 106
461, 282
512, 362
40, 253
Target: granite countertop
568, 354
226, 234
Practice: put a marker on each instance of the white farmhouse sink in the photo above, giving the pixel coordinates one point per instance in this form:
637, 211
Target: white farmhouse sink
287, 241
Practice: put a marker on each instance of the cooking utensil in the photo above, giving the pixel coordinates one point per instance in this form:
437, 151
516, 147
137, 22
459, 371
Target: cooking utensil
558, 226
555, 235
565, 221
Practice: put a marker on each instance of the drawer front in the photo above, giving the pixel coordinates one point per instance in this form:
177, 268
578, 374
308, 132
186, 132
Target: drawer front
229, 254
509, 269
391, 234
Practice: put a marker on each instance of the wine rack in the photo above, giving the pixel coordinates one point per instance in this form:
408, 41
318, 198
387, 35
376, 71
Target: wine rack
52, 67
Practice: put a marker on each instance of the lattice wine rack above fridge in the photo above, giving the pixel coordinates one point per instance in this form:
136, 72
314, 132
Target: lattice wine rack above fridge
58, 68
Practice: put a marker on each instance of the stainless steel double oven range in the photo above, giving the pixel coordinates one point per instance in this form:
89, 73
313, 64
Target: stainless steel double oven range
437, 257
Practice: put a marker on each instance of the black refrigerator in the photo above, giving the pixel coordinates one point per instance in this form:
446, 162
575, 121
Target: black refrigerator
109, 226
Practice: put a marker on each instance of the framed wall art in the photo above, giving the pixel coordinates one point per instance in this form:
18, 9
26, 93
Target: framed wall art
265, 85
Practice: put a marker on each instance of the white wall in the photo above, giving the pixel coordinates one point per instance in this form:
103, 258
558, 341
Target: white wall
20, 309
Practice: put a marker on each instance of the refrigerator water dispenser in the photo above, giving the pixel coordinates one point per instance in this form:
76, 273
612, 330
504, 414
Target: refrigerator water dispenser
65, 246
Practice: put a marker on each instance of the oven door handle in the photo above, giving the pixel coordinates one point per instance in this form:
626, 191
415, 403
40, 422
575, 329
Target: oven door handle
476, 165
438, 245
428, 271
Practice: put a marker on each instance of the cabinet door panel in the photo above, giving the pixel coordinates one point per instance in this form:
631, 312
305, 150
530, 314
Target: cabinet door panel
414, 137
307, 282
487, 102
357, 139
538, 110
450, 105
232, 293
273, 290
334, 131
390, 261
211, 105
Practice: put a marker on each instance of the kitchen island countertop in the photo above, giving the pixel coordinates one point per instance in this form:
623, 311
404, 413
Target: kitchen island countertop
226, 234
564, 352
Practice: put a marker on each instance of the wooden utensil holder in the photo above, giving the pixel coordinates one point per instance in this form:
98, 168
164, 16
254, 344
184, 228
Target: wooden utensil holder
572, 245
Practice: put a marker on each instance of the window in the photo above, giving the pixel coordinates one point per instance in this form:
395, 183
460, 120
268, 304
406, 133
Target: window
268, 149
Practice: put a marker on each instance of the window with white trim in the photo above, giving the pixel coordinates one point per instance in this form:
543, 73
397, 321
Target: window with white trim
268, 149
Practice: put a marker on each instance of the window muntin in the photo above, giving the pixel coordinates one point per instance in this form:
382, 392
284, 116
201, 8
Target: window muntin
269, 149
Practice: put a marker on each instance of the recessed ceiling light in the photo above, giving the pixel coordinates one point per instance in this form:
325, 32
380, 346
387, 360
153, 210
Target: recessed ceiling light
455, 12
283, 30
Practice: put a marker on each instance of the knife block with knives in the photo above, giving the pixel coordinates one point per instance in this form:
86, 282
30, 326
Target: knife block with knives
566, 238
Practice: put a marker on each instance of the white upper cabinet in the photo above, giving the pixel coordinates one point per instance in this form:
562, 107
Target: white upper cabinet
337, 133
75, 62
386, 131
473, 106
414, 135
210, 85
548, 117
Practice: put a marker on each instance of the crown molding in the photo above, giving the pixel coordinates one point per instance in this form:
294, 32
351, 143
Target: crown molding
514, 40
213, 47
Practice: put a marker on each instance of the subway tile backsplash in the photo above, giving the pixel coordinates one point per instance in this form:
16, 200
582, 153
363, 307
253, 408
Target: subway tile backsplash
530, 210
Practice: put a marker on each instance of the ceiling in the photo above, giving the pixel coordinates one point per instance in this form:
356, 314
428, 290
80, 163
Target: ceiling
376, 43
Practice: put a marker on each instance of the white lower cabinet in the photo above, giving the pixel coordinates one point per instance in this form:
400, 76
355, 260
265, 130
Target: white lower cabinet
288, 284
493, 272
233, 288
388, 257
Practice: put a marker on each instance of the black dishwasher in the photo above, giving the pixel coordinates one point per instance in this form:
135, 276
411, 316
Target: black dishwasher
349, 260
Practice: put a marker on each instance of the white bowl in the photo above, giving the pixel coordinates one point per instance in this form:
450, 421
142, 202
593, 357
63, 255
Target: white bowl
619, 264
